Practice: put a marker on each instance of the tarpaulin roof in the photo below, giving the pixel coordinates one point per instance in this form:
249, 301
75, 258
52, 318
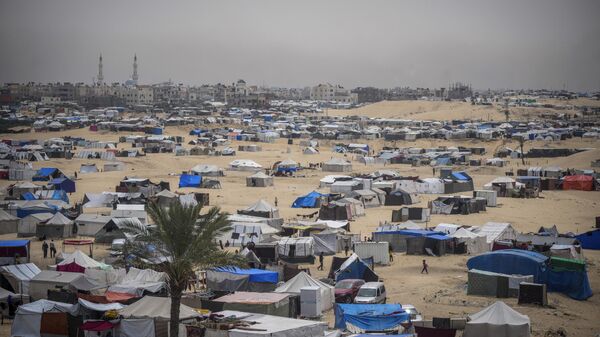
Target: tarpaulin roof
188, 180
461, 176
156, 308
46, 171
249, 297
13, 243
370, 317
307, 201
256, 275
100, 306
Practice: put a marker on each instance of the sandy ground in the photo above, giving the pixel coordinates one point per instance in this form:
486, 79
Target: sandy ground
442, 292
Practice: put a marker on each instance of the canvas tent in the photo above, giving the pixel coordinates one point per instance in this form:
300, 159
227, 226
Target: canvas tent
259, 179
29, 317
578, 182
244, 165
495, 231
337, 165
296, 249
78, 262
88, 224
271, 303
59, 226
88, 168
302, 280
498, 320
474, 243
261, 208
8, 223
236, 279
310, 200
50, 280
18, 276
207, 170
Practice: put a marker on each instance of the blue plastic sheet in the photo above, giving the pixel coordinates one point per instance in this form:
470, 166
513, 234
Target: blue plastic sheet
590, 240
189, 180
256, 275
574, 284
308, 201
370, 317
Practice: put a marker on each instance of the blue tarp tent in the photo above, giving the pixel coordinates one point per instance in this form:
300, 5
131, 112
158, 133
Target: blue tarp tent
28, 196
590, 240
60, 195
64, 184
196, 132
256, 275
370, 317
442, 161
355, 268
44, 174
461, 176
311, 200
573, 283
154, 131
188, 180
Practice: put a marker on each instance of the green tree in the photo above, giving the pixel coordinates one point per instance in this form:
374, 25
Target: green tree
184, 240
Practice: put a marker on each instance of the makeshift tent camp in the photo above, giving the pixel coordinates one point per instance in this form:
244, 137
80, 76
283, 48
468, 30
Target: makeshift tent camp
18, 276
578, 182
28, 225
138, 281
302, 280
59, 226
8, 223
46, 174
30, 318
188, 180
310, 200
259, 179
352, 267
287, 166
359, 318
378, 251
89, 224
401, 197
571, 281
497, 320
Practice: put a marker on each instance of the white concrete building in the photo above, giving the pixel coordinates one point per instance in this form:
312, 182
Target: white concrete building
332, 93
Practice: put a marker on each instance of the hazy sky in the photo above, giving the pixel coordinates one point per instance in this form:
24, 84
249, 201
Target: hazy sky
491, 44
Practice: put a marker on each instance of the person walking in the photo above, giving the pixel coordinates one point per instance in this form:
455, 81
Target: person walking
346, 249
52, 249
320, 267
45, 249
391, 252
276, 201
425, 265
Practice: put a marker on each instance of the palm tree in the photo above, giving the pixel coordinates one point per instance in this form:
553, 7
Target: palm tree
184, 240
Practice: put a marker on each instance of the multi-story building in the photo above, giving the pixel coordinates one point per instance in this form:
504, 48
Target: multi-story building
333, 93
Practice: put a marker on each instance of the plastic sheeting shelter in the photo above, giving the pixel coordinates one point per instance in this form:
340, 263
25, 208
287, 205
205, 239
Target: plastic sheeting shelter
559, 278
50, 280
273, 326
590, 240
578, 182
256, 275
276, 304
359, 318
158, 308
310, 200
353, 268
64, 184
19, 275
28, 319
187, 180
302, 280
498, 320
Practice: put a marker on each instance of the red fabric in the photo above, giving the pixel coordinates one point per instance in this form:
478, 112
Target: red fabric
3, 174
71, 267
93, 298
112, 296
78, 242
96, 325
578, 182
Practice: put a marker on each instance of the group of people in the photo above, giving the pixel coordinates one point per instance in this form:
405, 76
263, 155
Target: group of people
52, 248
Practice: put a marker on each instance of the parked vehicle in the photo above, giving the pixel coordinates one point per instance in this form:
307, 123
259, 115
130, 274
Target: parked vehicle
370, 293
346, 290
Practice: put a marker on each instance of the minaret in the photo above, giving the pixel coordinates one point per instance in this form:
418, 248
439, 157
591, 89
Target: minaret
134, 77
100, 78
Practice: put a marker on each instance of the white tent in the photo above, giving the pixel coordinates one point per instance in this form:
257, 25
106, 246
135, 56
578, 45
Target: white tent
498, 320
330, 179
447, 228
337, 165
156, 308
50, 280
88, 168
244, 165
495, 231
302, 246
275, 326
476, 243
262, 207
207, 170
28, 319
81, 259
136, 281
19, 275
302, 280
